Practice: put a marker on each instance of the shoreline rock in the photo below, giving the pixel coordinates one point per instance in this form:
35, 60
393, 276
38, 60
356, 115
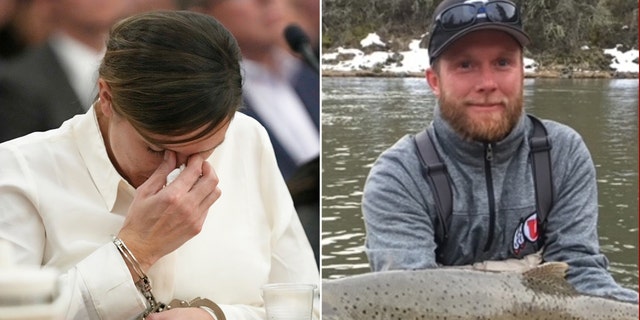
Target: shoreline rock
541, 74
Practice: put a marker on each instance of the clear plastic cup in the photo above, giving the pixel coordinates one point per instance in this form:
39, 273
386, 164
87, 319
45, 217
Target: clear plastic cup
288, 301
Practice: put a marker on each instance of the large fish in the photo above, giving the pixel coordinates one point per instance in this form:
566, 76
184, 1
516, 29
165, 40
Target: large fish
444, 293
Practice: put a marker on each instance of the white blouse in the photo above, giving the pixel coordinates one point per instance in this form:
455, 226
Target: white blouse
61, 200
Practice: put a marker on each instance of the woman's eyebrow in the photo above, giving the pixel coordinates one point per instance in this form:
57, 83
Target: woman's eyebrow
165, 147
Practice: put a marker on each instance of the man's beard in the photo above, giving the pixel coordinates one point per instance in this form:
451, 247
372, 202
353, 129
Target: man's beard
489, 127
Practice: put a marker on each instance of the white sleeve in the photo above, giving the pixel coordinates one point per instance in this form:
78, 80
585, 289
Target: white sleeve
102, 287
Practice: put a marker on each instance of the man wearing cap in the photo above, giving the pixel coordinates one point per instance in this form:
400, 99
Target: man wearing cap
481, 134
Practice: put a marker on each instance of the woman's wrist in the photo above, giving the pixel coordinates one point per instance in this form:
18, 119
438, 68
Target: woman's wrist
143, 258
142, 282
130, 259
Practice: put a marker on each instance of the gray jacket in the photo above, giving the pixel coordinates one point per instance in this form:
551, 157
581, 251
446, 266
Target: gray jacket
494, 206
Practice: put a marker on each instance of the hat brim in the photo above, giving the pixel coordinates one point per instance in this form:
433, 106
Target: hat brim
516, 33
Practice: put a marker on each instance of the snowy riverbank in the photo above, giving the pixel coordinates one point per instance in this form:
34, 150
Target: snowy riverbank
372, 60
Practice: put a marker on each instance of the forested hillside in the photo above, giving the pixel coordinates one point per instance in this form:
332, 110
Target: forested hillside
560, 29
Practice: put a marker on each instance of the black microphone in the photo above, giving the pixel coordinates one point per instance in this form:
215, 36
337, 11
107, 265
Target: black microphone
299, 42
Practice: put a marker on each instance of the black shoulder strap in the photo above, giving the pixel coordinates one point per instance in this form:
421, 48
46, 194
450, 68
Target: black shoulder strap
436, 174
541, 163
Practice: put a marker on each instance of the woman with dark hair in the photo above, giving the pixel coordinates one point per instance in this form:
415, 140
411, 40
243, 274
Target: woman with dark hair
93, 200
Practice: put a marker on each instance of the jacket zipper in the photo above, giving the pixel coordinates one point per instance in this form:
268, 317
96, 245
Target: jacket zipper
488, 158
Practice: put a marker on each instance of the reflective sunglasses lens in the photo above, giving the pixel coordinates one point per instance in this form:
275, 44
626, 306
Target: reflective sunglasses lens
458, 17
502, 12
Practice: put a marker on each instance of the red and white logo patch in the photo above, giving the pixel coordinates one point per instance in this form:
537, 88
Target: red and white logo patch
527, 231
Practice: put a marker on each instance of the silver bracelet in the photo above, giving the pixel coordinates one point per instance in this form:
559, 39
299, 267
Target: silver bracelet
143, 283
131, 259
209, 311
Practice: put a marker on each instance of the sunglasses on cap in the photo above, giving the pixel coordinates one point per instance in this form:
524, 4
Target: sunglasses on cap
462, 15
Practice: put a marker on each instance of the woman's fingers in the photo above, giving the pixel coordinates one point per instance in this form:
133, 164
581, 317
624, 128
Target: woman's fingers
159, 177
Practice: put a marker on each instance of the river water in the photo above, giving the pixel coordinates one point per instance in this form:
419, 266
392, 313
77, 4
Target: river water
362, 117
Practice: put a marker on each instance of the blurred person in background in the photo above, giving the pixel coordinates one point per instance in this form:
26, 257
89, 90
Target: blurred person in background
24, 24
281, 92
152, 5
306, 14
48, 84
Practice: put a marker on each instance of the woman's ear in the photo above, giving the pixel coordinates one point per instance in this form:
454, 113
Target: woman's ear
104, 98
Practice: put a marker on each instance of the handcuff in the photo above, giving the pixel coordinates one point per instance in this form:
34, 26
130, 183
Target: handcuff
209, 306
